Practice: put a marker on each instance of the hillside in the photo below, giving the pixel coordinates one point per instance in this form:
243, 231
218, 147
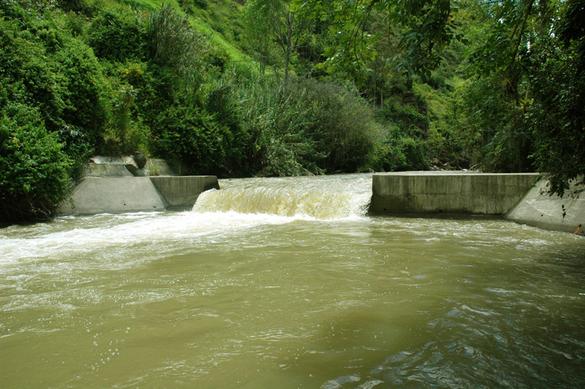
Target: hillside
284, 87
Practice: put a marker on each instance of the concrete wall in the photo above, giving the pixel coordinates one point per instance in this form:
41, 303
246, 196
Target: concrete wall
106, 170
448, 192
134, 194
158, 167
101, 166
112, 195
181, 192
539, 209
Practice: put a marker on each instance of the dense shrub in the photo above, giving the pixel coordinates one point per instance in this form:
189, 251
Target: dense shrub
397, 152
192, 137
83, 88
342, 125
125, 132
311, 127
241, 151
494, 128
117, 37
276, 123
25, 61
60, 75
173, 43
33, 167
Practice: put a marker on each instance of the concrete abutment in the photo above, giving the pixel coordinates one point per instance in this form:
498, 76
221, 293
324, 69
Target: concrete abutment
121, 194
520, 197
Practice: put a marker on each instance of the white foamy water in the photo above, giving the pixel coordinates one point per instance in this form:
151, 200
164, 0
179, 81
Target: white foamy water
317, 198
243, 204
130, 230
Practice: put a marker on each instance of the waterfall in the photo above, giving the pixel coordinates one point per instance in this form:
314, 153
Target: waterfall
321, 198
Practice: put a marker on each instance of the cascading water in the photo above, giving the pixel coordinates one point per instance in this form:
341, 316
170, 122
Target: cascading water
320, 198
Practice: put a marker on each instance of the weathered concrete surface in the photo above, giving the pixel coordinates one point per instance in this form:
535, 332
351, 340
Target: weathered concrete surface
104, 166
106, 170
125, 166
181, 192
112, 195
158, 167
539, 209
448, 192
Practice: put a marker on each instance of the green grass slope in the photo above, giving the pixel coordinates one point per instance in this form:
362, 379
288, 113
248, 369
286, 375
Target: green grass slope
218, 20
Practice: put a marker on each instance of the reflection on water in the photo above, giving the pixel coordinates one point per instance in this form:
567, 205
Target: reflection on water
247, 293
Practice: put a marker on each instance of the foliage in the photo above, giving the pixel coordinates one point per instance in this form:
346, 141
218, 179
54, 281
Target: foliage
83, 93
33, 167
333, 87
192, 137
275, 125
557, 114
117, 37
172, 41
526, 107
342, 125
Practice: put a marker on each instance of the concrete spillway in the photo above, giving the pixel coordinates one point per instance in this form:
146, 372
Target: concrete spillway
519, 197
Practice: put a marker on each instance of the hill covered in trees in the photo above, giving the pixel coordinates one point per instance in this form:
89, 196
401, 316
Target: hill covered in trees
287, 87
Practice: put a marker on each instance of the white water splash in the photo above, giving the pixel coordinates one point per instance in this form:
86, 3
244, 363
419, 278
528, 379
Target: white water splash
318, 198
244, 204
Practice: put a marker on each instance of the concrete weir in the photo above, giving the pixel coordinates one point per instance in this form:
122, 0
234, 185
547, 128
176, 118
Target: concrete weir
134, 194
180, 192
449, 192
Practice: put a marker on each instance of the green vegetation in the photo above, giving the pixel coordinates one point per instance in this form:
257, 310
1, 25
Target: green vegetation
287, 87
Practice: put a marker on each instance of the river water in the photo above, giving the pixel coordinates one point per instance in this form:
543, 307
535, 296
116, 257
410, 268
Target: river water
285, 283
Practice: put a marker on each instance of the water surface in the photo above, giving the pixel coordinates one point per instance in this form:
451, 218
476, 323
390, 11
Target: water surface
284, 283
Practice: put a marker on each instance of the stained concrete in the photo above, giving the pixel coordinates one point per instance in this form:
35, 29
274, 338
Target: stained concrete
125, 166
112, 195
448, 192
106, 170
158, 167
181, 192
133, 194
539, 209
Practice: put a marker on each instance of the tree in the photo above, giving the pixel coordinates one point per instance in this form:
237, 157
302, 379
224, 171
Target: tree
531, 64
272, 23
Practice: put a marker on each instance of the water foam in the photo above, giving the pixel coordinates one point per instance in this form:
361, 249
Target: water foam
243, 204
317, 198
127, 232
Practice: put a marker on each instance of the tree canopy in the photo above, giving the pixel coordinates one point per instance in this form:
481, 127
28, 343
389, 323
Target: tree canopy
281, 87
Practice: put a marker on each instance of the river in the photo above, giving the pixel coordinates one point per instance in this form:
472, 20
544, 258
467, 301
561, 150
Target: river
287, 283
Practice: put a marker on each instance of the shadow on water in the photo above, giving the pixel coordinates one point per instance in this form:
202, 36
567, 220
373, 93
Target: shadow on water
502, 324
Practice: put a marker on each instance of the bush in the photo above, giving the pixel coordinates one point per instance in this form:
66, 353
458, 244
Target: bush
83, 88
311, 127
33, 168
172, 41
341, 124
117, 37
276, 124
25, 62
193, 138
125, 134
59, 75
398, 152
